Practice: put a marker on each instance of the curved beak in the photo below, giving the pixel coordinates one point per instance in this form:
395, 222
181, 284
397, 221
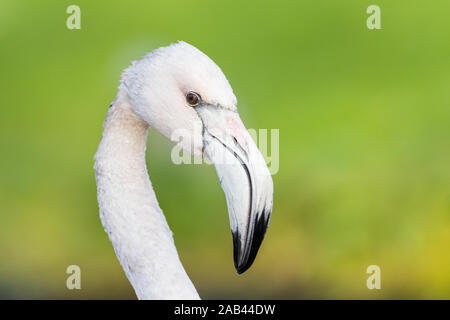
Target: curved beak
244, 177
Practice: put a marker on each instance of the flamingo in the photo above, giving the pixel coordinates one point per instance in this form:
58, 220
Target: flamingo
170, 89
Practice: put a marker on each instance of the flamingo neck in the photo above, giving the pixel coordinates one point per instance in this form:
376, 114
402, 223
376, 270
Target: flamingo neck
130, 213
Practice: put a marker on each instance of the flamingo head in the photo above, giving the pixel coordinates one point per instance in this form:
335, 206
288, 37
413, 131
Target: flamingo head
178, 89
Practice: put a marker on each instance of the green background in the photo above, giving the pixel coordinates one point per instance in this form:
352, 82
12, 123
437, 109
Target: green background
364, 120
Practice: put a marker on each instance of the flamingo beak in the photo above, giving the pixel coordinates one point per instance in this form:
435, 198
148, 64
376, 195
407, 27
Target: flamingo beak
244, 177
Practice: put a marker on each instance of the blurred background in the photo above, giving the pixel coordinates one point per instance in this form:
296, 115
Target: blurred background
364, 120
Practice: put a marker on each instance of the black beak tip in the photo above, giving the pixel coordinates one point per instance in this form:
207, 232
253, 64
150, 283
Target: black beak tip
242, 264
240, 269
243, 260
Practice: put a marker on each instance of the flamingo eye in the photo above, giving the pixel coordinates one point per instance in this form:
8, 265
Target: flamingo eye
193, 98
